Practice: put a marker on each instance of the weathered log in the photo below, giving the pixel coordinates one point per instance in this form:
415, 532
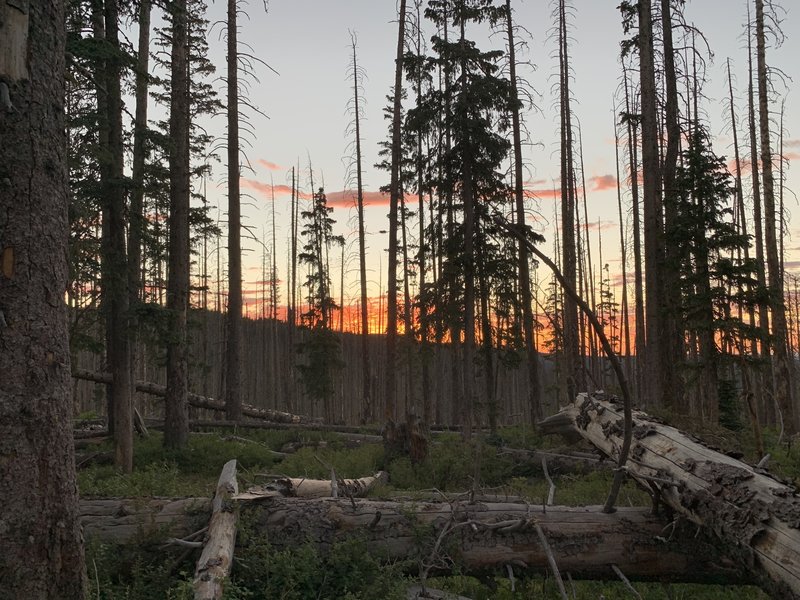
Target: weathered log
214, 564
485, 536
199, 401
314, 488
755, 516
124, 520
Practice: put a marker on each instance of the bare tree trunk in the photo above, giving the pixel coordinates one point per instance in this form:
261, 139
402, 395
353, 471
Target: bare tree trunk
136, 216
42, 555
653, 217
233, 391
574, 367
672, 338
390, 408
366, 396
531, 352
176, 416
115, 292
626, 326
638, 284
782, 373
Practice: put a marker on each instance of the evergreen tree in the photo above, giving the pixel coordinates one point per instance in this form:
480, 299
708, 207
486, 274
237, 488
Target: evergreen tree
321, 349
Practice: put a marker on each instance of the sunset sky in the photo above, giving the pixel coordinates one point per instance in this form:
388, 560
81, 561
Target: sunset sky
308, 43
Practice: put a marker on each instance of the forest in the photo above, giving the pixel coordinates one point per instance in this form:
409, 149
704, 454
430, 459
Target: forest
460, 385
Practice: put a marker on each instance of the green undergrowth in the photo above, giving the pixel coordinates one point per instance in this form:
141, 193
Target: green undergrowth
145, 569
545, 588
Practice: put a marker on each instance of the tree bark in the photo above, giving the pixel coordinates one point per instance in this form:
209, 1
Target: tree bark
176, 416
42, 555
752, 515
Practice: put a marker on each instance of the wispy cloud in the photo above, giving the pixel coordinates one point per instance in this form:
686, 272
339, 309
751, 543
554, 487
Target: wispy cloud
269, 165
603, 182
267, 189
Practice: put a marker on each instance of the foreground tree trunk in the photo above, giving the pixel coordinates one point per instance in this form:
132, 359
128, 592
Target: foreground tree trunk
42, 556
176, 416
754, 516
481, 537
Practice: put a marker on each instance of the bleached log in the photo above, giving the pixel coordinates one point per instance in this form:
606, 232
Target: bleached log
199, 401
214, 564
314, 488
754, 517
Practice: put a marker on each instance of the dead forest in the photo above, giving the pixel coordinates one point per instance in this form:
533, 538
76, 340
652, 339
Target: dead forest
461, 385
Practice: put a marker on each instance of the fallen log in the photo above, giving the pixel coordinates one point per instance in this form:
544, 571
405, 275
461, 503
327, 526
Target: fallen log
199, 401
297, 487
484, 538
754, 516
214, 564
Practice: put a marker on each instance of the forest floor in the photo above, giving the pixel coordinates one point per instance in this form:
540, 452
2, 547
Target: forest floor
147, 569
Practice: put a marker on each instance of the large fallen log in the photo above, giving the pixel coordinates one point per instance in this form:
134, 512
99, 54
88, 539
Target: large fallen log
483, 537
215, 562
754, 517
199, 401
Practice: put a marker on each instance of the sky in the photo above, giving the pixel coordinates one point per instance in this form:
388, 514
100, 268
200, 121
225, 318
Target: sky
307, 42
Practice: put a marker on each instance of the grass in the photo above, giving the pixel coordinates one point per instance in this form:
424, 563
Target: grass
145, 570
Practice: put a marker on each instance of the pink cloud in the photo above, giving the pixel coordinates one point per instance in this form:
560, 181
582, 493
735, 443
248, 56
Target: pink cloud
347, 198
268, 189
269, 165
603, 182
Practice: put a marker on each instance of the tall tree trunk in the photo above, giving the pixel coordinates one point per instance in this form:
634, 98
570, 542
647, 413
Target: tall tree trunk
782, 373
42, 555
672, 338
115, 267
421, 258
758, 221
233, 391
638, 284
390, 408
626, 326
366, 396
742, 220
136, 214
574, 369
523, 266
176, 417
653, 217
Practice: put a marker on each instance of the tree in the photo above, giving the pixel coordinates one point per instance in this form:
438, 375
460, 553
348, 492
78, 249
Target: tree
176, 418
784, 394
233, 391
395, 190
322, 348
114, 256
532, 353
42, 554
366, 401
